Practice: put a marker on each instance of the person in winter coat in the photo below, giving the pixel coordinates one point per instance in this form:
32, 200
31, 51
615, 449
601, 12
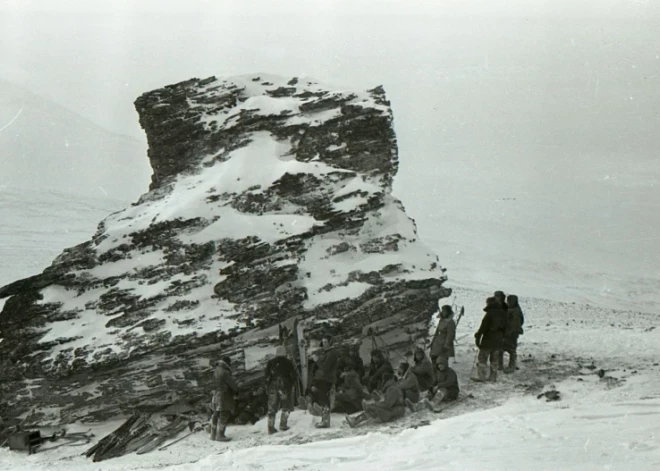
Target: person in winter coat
378, 367
408, 383
280, 382
424, 370
442, 346
324, 381
501, 299
222, 404
392, 406
489, 339
514, 328
348, 399
446, 388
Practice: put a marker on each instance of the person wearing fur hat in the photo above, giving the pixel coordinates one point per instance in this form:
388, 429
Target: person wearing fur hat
489, 339
424, 370
389, 408
222, 403
280, 382
378, 367
442, 346
514, 328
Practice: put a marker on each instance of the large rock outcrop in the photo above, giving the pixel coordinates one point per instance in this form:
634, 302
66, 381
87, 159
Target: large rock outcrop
270, 201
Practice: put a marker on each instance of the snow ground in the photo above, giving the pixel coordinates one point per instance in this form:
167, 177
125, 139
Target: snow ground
606, 423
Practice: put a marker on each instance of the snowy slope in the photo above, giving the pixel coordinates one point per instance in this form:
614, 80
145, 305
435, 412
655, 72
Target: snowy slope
44, 146
37, 224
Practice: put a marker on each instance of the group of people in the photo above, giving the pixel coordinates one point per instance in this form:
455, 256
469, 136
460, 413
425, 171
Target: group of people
498, 334
378, 392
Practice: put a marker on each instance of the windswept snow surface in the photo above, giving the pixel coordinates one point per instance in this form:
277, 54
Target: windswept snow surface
600, 423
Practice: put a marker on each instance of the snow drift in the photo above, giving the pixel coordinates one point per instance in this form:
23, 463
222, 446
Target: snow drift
270, 201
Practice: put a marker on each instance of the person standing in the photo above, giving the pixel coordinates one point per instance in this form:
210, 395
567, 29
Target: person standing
280, 383
442, 346
223, 399
489, 339
514, 328
324, 381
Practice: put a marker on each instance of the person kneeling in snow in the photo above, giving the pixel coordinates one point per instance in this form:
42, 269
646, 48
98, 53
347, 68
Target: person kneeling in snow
280, 381
390, 408
222, 403
348, 399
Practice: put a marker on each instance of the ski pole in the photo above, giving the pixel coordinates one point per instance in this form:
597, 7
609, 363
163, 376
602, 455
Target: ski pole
179, 439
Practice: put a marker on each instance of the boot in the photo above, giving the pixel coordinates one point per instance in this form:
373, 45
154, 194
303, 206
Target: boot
284, 417
500, 357
482, 369
411, 406
271, 425
511, 368
493, 375
325, 419
214, 426
221, 433
356, 419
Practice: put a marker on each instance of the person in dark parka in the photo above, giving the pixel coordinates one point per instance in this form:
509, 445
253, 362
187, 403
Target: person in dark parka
390, 408
324, 381
348, 399
489, 339
408, 383
280, 383
424, 370
378, 367
514, 328
223, 399
501, 299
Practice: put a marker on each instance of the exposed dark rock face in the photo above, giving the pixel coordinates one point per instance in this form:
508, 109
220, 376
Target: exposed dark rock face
270, 200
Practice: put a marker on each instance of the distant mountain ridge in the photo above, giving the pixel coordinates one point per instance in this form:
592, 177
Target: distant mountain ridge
43, 145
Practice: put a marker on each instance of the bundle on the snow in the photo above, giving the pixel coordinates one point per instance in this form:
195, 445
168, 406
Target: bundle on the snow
137, 434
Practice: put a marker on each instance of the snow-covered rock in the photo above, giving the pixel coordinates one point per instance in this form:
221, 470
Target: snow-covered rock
270, 201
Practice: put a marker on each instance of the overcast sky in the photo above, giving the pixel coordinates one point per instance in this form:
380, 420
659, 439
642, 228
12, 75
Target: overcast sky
435, 58
556, 100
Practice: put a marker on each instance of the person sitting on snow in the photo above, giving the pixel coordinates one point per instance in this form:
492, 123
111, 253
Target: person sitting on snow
408, 383
390, 408
348, 399
446, 387
446, 390
424, 370
378, 367
280, 382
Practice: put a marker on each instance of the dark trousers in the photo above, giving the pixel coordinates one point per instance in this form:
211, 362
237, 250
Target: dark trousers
321, 394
